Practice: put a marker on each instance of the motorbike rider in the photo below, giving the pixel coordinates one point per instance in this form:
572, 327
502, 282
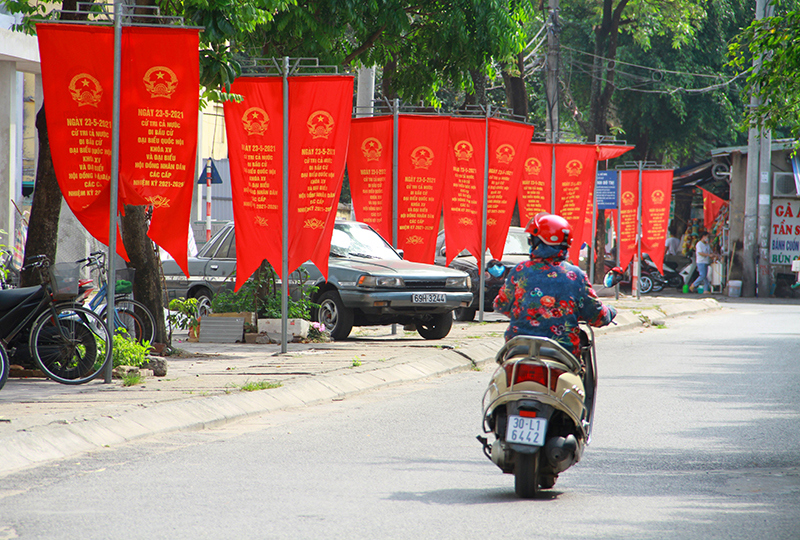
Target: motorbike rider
547, 296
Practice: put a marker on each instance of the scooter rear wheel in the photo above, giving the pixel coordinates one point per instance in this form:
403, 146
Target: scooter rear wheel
526, 475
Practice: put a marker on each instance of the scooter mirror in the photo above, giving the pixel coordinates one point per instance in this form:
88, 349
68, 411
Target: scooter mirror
613, 277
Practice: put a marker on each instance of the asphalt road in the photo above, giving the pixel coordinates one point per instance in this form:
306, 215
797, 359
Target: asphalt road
697, 437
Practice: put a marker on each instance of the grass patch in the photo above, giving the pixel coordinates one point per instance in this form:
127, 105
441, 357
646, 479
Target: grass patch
356, 362
258, 385
132, 379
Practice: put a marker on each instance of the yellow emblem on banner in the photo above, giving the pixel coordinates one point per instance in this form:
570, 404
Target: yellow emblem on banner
422, 157
158, 201
491, 222
657, 196
628, 198
160, 81
463, 150
320, 124
313, 223
574, 167
465, 221
261, 221
85, 90
505, 154
255, 121
415, 240
533, 166
372, 149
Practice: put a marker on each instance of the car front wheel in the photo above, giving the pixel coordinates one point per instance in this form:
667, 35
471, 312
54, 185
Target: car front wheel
338, 320
437, 327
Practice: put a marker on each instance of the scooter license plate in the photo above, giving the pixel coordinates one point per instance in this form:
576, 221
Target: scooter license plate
530, 431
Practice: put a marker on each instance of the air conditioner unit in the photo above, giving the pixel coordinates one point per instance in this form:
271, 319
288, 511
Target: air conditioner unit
783, 185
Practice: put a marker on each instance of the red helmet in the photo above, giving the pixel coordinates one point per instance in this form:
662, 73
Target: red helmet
551, 229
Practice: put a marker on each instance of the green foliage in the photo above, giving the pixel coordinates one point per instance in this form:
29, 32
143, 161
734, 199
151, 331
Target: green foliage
129, 352
183, 313
132, 379
775, 42
262, 295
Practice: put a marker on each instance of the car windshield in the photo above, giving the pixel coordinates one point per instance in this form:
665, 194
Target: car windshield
359, 240
516, 244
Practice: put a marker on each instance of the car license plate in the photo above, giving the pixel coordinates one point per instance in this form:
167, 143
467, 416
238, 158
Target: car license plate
428, 298
530, 431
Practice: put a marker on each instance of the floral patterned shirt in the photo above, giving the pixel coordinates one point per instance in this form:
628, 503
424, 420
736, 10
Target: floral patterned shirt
545, 297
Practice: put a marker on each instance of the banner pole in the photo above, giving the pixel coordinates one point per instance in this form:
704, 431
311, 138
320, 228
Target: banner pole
619, 227
592, 251
484, 212
285, 212
112, 227
552, 180
395, 179
638, 266
208, 200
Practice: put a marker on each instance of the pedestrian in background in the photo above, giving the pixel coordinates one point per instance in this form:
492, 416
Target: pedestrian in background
703, 257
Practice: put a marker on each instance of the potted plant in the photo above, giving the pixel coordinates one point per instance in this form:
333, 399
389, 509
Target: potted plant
183, 314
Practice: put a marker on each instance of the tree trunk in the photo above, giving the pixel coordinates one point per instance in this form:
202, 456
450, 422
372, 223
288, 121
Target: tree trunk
147, 280
46, 207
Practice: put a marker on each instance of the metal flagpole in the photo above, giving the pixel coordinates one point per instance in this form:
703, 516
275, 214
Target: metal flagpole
112, 227
484, 212
637, 268
285, 212
395, 175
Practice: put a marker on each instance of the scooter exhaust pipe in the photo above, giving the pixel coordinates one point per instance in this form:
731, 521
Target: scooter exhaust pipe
562, 452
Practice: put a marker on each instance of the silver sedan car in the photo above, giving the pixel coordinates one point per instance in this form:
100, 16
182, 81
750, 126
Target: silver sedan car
368, 283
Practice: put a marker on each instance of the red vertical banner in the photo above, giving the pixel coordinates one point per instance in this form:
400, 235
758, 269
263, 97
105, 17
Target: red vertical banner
319, 130
711, 207
255, 147
629, 208
77, 80
422, 167
536, 185
575, 173
158, 128
508, 146
463, 190
656, 196
369, 168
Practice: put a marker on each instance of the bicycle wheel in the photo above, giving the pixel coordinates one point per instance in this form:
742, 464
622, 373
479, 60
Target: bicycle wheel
140, 310
4, 367
131, 324
73, 347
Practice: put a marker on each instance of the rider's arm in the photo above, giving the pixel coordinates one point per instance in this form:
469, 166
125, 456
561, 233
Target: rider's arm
504, 301
592, 310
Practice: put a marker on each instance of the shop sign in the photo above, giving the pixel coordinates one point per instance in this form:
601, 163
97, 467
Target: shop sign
785, 231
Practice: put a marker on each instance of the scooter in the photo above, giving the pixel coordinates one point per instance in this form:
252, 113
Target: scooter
679, 271
539, 406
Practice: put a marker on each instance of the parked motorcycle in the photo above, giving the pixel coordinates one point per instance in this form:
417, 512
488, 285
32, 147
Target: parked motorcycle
679, 271
539, 406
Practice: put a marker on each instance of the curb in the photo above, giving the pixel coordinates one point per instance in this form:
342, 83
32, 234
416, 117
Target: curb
30, 448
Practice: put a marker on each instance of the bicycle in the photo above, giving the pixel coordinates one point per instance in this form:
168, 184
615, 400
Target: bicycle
130, 314
68, 342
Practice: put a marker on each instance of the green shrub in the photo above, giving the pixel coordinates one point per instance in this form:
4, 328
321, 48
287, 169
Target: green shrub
129, 352
262, 295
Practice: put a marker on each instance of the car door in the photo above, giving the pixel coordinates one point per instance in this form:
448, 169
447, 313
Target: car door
221, 263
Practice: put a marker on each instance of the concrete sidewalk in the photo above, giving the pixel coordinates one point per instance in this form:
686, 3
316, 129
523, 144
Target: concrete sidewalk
41, 420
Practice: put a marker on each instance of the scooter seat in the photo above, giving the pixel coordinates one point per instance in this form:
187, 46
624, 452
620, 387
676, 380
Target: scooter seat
547, 352
11, 298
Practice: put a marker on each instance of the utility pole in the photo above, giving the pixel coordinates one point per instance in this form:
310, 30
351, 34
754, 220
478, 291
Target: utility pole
551, 81
755, 251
